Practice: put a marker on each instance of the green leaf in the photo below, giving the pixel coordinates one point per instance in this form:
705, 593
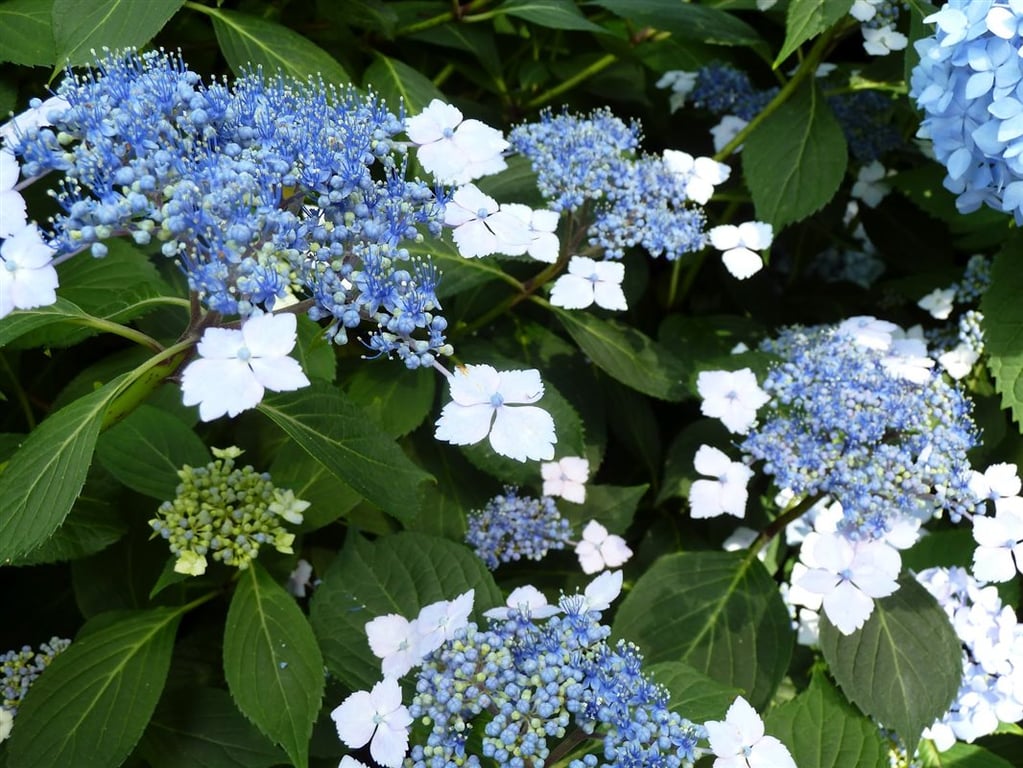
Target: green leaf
555, 14
904, 666
96, 521
249, 41
26, 32
822, 729
339, 435
81, 25
610, 505
328, 497
716, 612
960, 755
146, 450
795, 160
693, 695
457, 272
1003, 328
43, 479
397, 401
93, 703
272, 663
627, 355
202, 728
395, 574
398, 83
808, 18
315, 353
686, 21
23, 321
86, 282
464, 37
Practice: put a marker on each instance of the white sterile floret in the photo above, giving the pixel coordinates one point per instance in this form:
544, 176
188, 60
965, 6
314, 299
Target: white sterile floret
21, 125
487, 402
741, 538
599, 549
868, 187
528, 601
681, 84
999, 554
350, 762
376, 717
702, 174
27, 276
6, 724
739, 741
236, 367
732, 396
766, 5
726, 493
849, 575
438, 622
999, 481
907, 359
739, 245
601, 592
566, 478
868, 331
542, 226
12, 204
395, 640
723, 133
454, 150
938, 303
588, 282
300, 578
880, 41
958, 362
864, 10
481, 227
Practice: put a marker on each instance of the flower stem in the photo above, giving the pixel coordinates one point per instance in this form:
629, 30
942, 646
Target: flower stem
778, 525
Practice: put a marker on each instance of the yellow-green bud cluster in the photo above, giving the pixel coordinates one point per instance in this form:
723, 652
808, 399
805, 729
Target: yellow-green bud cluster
225, 513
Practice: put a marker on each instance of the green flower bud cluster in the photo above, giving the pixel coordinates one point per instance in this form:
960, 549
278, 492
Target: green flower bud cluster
226, 513
19, 669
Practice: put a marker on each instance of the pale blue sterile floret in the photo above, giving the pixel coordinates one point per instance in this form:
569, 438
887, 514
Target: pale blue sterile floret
841, 424
540, 682
635, 199
257, 188
968, 85
512, 527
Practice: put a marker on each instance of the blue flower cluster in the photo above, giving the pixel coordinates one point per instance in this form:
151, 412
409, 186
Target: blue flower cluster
255, 189
542, 689
976, 279
19, 669
636, 200
842, 423
866, 120
967, 83
512, 527
721, 89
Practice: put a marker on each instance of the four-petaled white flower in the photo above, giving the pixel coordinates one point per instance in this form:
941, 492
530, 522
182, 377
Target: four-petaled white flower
395, 640
732, 396
588, 282
999, 554
487, 402
601, 592
999, 481
726, 493
454, 150
739, 740
542, 226
958, 362
868, 331
566, 478
528, 601
300, 578
880, 41
869, 186
438, 622
938, 303
739, 245
350, 762
599, 549
849, 575
907, 359
723, 133
377, 717
236, 367
701, 174
27, 276
12, 204
482, 227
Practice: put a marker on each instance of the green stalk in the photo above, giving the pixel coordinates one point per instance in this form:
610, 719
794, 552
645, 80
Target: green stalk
778, 525
143, 381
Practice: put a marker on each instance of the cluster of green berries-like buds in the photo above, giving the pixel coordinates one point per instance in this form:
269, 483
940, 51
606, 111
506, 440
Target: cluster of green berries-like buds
19, 669
226, 513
